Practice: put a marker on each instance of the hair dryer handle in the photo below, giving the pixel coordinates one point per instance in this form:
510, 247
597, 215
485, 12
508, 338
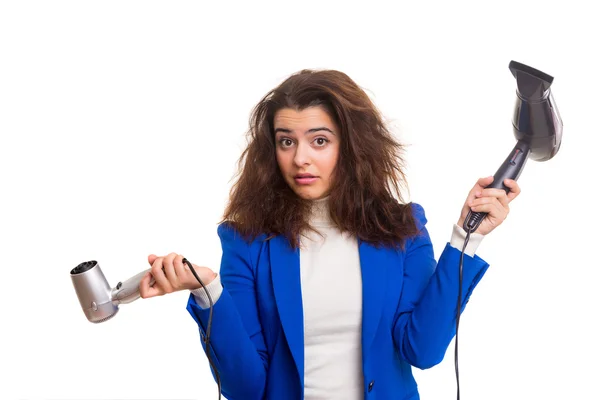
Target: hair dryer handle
510, 169
128, 291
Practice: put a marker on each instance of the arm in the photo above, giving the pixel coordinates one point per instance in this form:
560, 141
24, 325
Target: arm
238, 347
426, 314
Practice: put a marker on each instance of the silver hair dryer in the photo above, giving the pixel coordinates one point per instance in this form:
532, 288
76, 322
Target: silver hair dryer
98, 300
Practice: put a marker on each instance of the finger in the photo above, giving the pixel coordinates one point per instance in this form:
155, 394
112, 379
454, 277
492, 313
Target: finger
151, 258
514, 187
147, 291
499, 194
492, 206
478, 187
473, 194
498, 212
180, 269
488, 200
159, 275
169, 269
484, 182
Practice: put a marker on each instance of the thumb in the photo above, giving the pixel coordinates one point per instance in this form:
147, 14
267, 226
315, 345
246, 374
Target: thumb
147, 291
484, 182
151, 259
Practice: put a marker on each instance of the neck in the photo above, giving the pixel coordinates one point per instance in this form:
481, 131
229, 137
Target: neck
319, 215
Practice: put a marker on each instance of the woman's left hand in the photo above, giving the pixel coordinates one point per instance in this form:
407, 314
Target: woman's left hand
492, 201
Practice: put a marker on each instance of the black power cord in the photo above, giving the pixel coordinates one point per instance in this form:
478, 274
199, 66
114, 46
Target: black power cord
470, 225
458, 308
206, 338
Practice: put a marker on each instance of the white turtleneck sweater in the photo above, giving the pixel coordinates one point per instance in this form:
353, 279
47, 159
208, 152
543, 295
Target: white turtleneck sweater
332, 307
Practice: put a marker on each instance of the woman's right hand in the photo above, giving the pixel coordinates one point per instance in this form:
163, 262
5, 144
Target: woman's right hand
171, 274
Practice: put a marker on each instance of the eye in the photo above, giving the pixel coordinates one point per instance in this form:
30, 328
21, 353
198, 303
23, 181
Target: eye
321, 141
285, 142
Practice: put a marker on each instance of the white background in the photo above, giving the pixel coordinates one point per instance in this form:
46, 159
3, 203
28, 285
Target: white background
121, 122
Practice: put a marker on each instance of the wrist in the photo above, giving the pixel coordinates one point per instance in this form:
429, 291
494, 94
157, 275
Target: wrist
459, 236
206, 279
209, 293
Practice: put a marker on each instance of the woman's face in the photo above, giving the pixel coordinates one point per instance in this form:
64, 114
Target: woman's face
308, 145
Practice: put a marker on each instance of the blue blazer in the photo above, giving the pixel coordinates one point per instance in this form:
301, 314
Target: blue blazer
408, 317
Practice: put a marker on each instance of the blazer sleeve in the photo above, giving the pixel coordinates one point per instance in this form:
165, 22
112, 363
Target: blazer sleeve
426, 315
237, 344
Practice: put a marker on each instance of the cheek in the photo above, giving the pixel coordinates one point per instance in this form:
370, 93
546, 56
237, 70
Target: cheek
282, 160
330, 161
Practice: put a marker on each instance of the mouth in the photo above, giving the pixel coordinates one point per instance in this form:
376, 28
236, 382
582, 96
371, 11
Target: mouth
305, 179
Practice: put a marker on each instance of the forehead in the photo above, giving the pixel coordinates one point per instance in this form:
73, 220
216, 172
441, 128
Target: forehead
310, 117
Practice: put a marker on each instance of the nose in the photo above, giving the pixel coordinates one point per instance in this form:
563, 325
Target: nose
302, 156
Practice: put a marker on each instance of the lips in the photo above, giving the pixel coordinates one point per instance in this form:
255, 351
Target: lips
305, 179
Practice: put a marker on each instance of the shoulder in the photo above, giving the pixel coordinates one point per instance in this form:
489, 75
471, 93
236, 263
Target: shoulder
238, 250
419, 215
231, 235
416, 239
226, 230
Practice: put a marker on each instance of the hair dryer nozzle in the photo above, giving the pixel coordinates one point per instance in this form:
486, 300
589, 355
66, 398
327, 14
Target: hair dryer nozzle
93, 291
536, 120
98, 301
532, 84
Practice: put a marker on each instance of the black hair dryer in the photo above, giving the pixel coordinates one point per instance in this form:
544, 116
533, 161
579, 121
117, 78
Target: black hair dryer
537, 127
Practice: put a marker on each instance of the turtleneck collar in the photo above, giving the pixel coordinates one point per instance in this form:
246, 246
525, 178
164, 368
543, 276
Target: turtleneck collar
319, 216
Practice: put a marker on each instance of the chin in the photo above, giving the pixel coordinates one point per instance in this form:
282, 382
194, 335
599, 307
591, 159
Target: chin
311, 194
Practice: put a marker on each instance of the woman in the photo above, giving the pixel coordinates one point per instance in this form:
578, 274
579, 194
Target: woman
328, 287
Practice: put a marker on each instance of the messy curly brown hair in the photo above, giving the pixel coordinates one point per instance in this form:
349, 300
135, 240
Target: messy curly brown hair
365, 198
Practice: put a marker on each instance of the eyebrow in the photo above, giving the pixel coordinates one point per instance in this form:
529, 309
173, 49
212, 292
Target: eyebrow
312, 130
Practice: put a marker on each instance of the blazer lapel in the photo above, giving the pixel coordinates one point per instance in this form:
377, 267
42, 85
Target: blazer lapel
285, 275
372, 265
